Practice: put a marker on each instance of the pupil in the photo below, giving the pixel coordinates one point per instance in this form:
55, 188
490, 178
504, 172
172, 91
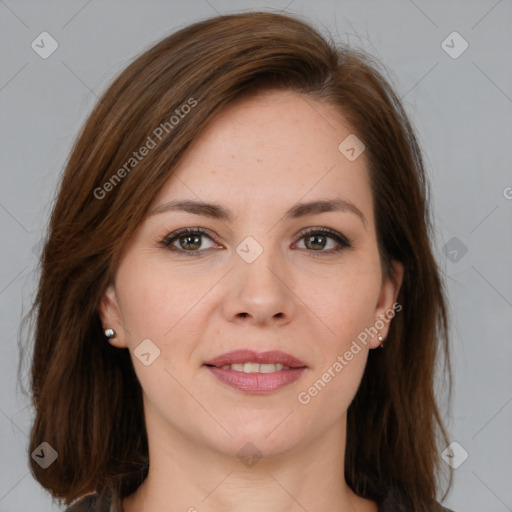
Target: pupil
193, 237
316, 237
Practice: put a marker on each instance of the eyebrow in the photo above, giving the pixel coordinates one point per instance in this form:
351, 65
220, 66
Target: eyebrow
217, 211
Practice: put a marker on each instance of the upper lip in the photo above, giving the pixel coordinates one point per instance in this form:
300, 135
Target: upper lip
250, 356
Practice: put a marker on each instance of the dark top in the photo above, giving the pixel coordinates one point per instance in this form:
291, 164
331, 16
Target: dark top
393, 502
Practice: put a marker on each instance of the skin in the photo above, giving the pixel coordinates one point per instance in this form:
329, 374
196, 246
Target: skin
258, 158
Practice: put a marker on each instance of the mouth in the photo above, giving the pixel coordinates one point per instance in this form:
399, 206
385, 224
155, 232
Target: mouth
256, 372
249, 361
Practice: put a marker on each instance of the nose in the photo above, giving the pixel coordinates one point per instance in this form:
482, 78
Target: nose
259, 293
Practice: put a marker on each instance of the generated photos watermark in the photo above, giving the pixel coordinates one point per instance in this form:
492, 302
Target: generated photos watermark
163, 129
304, 397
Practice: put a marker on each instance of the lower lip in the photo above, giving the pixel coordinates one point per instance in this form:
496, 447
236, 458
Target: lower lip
258, 383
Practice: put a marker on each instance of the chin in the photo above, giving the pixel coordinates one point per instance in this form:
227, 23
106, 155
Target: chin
252, 441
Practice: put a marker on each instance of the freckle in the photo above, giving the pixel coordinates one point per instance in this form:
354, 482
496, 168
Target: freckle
259, 160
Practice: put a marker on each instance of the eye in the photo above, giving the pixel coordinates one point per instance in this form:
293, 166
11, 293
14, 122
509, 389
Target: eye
317, 239
189, 240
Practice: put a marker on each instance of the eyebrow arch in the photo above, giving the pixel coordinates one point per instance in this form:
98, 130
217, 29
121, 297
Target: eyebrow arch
216, 211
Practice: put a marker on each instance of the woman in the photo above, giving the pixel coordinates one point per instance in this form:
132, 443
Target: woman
242, 223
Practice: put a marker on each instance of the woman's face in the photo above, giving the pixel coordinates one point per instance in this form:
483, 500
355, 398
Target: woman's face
260, 279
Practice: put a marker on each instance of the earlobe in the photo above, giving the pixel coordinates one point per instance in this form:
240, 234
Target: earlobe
110, 316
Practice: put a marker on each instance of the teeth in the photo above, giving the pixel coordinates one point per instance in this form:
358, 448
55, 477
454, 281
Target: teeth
251, 367
255, 367
268, 368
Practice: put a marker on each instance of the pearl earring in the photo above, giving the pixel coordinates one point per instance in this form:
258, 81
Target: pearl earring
110, 333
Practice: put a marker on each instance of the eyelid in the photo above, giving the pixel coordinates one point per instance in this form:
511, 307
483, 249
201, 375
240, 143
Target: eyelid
342, 241
168, 239
339, 237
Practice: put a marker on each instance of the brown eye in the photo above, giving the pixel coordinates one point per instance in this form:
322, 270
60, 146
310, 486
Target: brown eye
187, 241
314, 242
190, 241
317, 240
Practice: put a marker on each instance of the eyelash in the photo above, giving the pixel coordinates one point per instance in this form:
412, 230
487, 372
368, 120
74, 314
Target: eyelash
343, 242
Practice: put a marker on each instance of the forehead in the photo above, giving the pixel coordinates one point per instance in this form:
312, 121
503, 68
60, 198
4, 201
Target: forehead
270, 151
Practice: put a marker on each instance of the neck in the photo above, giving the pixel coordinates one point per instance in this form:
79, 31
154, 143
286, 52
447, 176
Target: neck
186, 475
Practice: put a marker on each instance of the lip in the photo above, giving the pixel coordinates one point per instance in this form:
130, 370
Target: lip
250, 356
256, 383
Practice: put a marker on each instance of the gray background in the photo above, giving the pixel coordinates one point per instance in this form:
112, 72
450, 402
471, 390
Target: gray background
462, 110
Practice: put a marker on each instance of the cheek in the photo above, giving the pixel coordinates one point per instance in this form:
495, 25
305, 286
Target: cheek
154, 297
330, 391
345, 301
346, 306
341, 355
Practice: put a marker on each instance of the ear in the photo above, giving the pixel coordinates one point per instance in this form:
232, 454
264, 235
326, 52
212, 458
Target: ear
385, 310
110, 316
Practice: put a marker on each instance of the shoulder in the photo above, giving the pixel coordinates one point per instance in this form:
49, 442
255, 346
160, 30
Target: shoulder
397, 501
390, 506
92, 503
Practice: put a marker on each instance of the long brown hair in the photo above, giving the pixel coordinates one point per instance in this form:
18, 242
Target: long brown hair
85, 392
